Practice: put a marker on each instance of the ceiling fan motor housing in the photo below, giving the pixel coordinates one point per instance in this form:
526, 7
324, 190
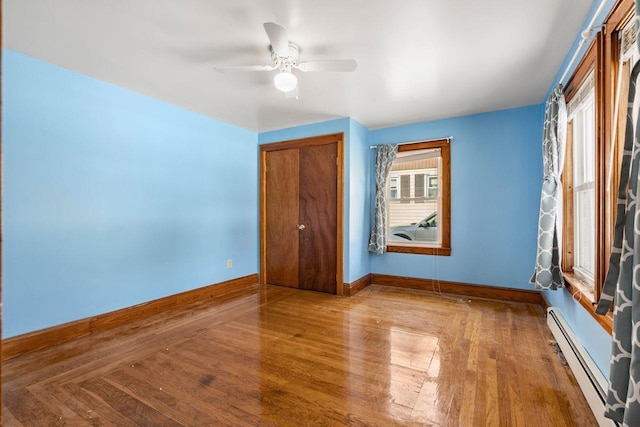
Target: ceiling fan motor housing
288, 62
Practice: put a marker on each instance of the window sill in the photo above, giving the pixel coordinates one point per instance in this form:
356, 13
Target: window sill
419, 250
575, 287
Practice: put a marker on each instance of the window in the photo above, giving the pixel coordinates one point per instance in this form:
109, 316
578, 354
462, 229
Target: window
419, 219
432, 186
596, 96
581, 124
393, 188
580, 186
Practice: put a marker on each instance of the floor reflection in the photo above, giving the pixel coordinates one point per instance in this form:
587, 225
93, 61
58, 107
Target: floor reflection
283, 357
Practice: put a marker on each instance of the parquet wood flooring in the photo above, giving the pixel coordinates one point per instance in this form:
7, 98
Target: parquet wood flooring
277, 356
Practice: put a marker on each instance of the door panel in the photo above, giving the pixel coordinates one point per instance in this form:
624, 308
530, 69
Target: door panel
318, 206
282, 206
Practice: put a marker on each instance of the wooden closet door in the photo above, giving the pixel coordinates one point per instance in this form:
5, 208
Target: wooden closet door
282, 210
317, 216
301, 217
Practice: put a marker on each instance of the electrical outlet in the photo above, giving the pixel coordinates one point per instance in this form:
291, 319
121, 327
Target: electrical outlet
229, 263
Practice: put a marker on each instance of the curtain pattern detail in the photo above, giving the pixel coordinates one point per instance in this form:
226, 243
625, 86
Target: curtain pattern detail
385, 155
547, 274
623, 281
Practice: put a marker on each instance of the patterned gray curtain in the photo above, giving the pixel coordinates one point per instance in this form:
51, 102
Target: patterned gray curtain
548, 274
385, 155
623, 281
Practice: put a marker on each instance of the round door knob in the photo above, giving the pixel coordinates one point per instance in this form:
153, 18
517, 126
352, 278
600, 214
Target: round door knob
301, 227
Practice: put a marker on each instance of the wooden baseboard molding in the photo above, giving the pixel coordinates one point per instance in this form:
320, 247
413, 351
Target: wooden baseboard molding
350, 289
480, 291
44, 338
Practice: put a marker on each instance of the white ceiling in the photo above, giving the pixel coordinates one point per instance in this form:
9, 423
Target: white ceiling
418, 60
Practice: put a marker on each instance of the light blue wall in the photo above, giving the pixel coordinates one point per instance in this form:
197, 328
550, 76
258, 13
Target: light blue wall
112, 198
359, 193
496, 171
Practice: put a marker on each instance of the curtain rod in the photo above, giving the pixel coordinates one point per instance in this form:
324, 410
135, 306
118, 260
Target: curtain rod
585, 35
448, 138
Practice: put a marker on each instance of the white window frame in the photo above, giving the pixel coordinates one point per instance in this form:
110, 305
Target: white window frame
582, 112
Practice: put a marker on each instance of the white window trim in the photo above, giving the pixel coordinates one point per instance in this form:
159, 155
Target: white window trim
582, 183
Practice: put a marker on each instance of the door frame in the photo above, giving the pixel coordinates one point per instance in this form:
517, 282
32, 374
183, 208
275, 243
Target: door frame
298, 143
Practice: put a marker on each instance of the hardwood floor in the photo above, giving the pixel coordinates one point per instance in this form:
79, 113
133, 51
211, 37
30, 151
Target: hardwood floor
281, 356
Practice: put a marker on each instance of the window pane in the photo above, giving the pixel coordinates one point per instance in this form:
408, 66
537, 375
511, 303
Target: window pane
584, 138
393, 188
413, 218
433, 186
585, 233
589, 142
578, 149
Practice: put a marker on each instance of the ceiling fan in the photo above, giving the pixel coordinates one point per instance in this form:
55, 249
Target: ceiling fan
285, 57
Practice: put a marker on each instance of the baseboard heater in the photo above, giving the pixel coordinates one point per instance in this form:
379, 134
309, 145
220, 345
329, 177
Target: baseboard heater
592, 383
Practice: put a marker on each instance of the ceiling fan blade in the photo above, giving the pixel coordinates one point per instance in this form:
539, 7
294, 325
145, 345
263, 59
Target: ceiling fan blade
242, 68
329, 65
292, 94
278, 38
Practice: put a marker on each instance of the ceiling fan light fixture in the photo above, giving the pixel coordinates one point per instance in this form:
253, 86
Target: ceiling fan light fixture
285, 81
